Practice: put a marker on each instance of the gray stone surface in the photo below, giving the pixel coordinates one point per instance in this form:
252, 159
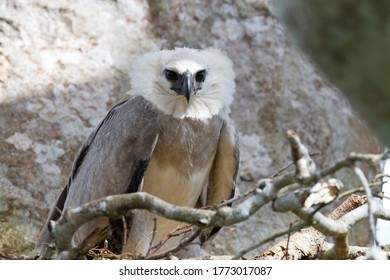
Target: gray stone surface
64, 63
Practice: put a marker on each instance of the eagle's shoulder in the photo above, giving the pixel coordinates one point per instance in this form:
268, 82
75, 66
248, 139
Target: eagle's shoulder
124, 114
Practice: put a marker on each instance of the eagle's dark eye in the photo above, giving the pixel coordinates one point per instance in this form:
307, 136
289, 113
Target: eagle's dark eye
171, 76
200, 76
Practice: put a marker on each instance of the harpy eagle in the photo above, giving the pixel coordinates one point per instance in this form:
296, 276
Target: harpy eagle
173, 139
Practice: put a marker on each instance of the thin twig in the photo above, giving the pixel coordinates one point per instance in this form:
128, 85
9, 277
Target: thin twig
269, 238
153, 237
359, 189
241, 197
179, 230
124, 239
350, 161
284, 168
371, 219
185, 242
236, 198
288, 242
281, 170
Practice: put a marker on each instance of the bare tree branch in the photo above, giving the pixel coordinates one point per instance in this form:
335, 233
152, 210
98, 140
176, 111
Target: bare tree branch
327, 226
310, 243
294, 193
370, 214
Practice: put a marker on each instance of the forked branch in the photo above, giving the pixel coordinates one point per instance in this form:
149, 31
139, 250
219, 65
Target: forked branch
288, 193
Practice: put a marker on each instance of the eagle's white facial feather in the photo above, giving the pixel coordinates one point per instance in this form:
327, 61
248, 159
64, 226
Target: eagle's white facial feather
215, 95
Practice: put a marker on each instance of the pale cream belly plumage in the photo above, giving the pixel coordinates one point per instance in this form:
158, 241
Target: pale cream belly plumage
171, 184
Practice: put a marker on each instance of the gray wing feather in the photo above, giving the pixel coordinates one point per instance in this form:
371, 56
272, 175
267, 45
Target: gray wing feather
226, 164
225, 169
111, 161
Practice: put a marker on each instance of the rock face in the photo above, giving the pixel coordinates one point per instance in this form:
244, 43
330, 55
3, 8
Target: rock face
63, 65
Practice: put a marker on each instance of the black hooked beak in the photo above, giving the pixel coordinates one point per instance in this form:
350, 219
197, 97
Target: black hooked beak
184, 85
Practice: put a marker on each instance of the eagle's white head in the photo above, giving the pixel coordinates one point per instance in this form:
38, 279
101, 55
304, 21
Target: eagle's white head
185, 82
